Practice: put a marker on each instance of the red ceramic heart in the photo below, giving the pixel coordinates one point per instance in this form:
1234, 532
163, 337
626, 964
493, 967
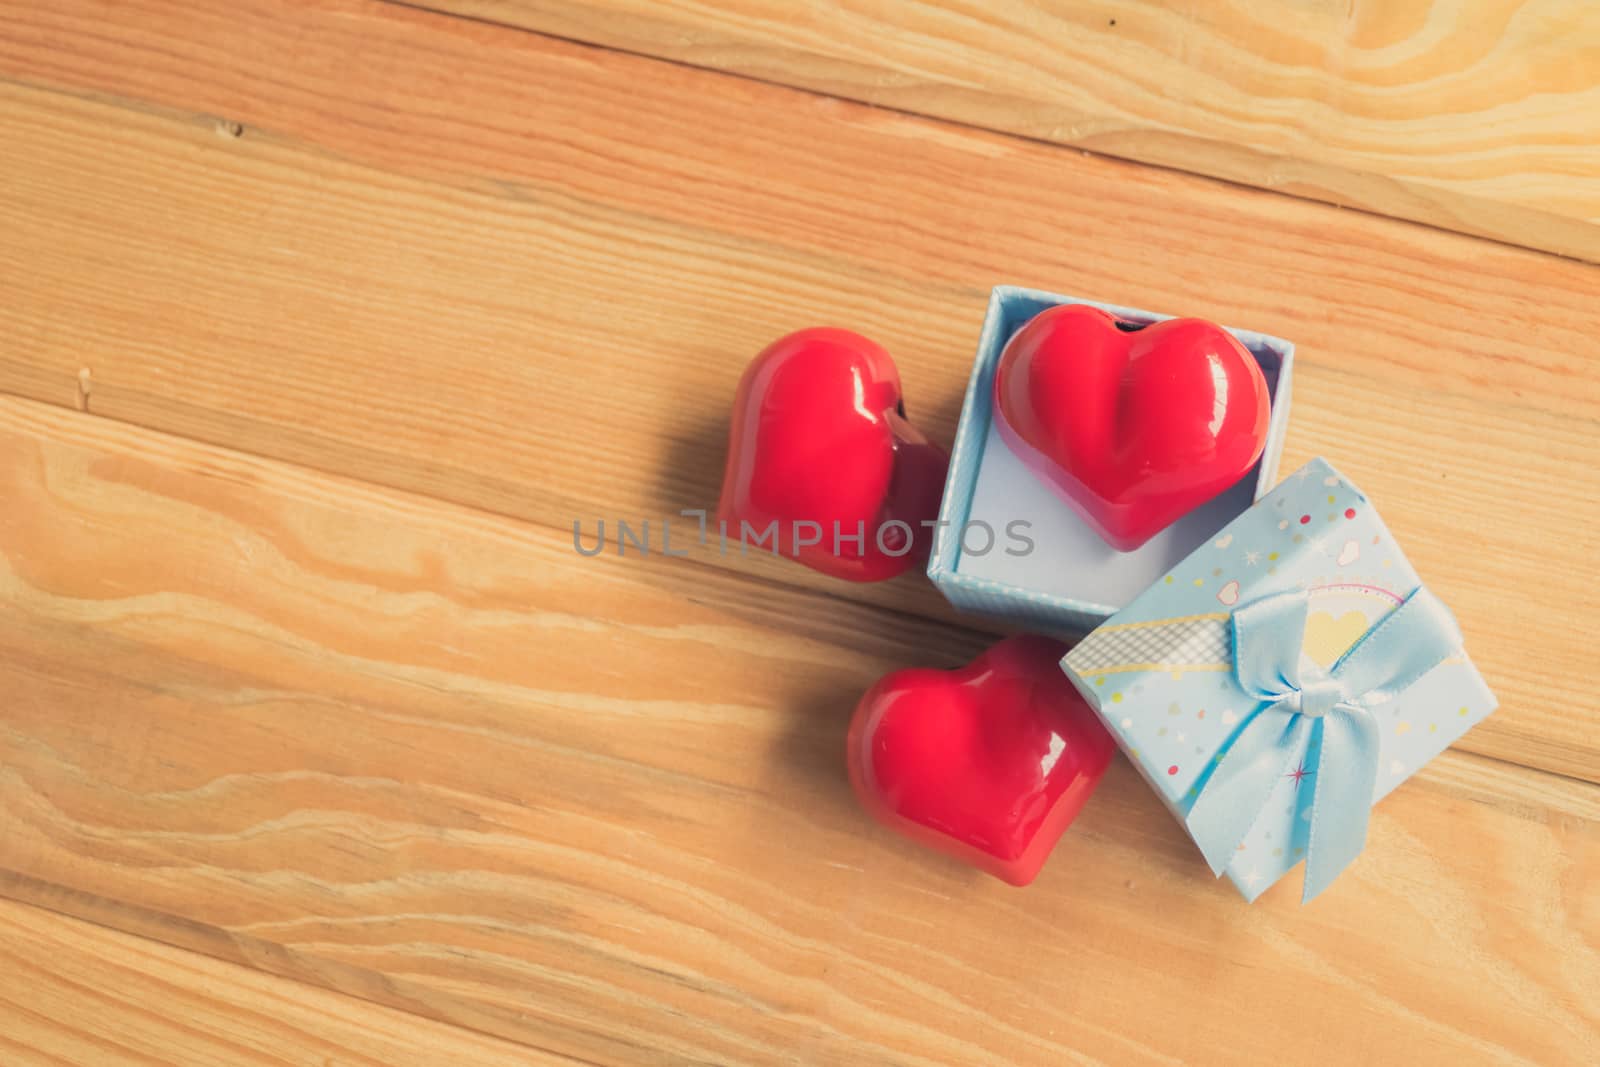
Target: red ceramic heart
989, 763
1135, 426
820, 446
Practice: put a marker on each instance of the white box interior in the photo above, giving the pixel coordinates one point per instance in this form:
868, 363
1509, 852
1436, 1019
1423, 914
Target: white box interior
1069, 559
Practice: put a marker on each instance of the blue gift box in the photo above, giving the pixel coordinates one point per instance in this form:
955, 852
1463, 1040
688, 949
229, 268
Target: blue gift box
1053, 572
1281, 679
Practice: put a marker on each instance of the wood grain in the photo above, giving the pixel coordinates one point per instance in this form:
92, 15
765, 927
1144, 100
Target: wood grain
397, 748
75, 993
485, 266
1475, 115
430, 757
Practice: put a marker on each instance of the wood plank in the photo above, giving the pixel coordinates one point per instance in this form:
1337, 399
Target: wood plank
485, 266
75, 993
428, 756
1480, 116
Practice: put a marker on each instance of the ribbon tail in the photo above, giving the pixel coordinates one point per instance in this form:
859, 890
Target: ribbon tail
1232, 799
1341, 805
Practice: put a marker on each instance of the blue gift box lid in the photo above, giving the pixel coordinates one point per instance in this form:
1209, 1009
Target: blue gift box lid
1162, 676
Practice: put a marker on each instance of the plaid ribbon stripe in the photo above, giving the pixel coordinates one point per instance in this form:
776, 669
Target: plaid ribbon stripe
1197, 643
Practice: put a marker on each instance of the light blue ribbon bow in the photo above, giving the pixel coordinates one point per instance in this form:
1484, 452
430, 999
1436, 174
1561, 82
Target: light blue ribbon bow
1298, 697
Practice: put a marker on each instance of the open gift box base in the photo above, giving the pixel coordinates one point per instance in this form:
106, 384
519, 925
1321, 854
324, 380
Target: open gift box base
1069, 580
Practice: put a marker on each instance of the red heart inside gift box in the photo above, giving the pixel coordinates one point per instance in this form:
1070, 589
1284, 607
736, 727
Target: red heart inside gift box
1133, 425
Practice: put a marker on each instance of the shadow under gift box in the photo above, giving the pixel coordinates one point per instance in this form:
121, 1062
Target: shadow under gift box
1069, 580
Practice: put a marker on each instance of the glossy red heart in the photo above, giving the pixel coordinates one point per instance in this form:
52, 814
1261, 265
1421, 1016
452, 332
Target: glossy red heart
1132, 427
989, 762
820, 447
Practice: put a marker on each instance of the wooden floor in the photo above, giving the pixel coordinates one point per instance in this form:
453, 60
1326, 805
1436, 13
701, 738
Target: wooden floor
321, 322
